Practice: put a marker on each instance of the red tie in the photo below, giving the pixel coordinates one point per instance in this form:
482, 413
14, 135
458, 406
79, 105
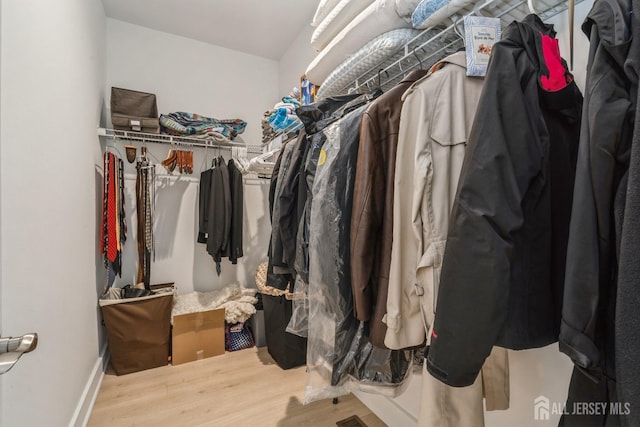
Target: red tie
112, 244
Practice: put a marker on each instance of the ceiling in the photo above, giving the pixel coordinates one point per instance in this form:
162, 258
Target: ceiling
259, 27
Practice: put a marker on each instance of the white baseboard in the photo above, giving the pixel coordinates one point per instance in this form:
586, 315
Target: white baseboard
85, 405
387, 410
401, 411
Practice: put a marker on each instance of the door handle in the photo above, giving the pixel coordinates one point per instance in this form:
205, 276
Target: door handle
12, 348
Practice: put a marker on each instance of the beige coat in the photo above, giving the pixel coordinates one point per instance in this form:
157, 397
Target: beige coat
435, 123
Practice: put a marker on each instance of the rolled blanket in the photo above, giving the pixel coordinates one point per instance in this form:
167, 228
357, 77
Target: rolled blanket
181, 124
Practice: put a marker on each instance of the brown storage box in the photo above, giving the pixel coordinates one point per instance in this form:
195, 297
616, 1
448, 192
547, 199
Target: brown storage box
134, 111
138, 331
197, 336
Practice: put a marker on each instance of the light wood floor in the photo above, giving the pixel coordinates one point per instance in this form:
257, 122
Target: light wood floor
242, 388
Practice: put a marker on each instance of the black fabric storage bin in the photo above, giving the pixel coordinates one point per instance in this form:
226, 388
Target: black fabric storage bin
288, 350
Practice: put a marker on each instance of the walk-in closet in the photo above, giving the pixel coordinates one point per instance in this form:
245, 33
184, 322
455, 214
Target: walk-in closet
352, 213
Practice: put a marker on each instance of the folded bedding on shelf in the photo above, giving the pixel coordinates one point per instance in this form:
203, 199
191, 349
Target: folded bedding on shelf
267, 131
291, 108
430, 13
283, 119
184, 124
378, 18
324, 8
290, 100
336, 20
375, 52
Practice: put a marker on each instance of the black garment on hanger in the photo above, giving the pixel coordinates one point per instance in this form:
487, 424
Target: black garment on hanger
203, 205
237, 209
220, 207
315, 117
218, 222
278, 259
503, 268
599, 299
290, 211
627, 321
278, 281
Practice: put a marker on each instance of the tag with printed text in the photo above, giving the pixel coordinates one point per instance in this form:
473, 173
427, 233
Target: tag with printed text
480, 35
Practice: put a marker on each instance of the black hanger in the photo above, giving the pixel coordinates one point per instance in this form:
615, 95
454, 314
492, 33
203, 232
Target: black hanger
377, 91
418, 58
379, 77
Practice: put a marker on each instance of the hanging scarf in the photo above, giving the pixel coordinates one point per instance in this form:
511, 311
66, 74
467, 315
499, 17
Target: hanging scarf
144, 205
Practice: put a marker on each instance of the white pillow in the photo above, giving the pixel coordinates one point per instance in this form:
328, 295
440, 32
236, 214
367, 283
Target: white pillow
373, 53
324, 8
339, 17
379, 17
430, 13
406, 7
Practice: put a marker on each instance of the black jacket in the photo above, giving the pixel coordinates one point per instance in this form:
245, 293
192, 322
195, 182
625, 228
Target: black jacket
604, 158
278, 259
290, 210
503, 268
215, 209
212, 230
589, 313
237, 212
203, 205
627, 322
315, 117
278, 281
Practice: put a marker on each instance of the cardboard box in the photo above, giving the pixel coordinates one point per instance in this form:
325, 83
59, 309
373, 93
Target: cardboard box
197, 336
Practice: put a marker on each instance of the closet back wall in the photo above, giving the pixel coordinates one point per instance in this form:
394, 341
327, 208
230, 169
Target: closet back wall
192, 76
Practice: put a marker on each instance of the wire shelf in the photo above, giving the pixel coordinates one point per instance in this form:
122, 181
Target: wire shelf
159, 138
433, 44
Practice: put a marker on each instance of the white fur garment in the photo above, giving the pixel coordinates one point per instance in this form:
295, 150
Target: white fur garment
237, 301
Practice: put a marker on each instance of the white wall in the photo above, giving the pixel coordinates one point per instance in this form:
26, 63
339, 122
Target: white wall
581, 42
52, 79
1, 383
188, 75
295, 60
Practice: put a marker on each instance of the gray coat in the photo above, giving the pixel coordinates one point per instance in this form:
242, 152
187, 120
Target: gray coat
627, 320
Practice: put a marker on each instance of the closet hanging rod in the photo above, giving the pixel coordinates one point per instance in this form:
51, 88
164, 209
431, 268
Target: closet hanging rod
158, 138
